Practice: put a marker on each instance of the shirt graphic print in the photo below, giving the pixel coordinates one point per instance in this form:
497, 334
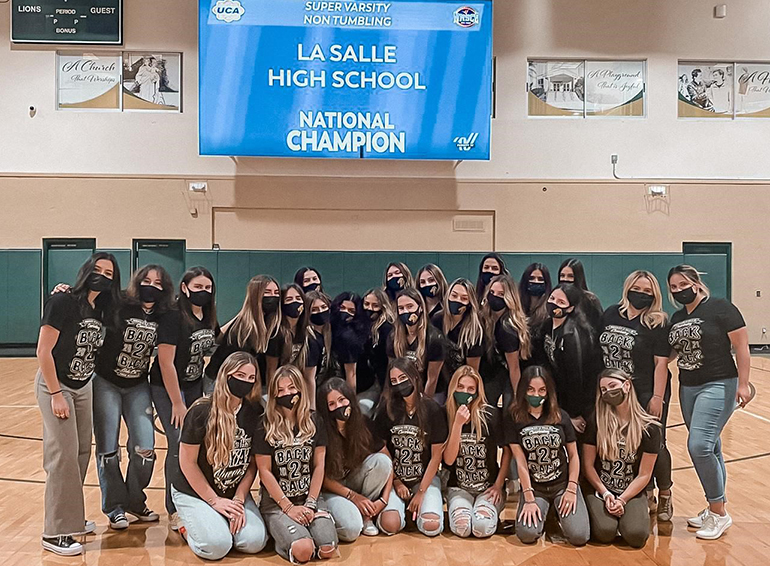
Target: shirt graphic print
408, 445
88, 340
201, 341
543, 446
618, 474
293, 465
471, 464
230, 476
617, 343
685, 337
139, 340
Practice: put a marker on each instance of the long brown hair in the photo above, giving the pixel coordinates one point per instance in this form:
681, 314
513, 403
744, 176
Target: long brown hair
393, 405
610, 430
386, 314
520, 407
348, 451
513, 316
400, 333
185, 306
438, 275
477, 407
692, 275
326, 332
166, 301
220, 428
299, 335
471, 327
250, 326
278, 429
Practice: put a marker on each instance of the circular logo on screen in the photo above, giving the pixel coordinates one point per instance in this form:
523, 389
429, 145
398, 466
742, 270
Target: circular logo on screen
228, 10
466, 17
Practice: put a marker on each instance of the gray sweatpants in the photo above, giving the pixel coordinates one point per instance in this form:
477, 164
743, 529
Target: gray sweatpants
66, 452
286, 532
634, 525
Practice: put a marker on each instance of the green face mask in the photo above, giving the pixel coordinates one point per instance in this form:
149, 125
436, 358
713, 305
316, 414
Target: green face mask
462, 398
535, 401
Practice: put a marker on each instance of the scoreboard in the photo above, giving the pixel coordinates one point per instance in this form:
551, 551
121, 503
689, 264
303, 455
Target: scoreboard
67, 21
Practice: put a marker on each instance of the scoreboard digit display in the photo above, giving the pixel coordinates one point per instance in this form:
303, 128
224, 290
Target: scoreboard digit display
67, 21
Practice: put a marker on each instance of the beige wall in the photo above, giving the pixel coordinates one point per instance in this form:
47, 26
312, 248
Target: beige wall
124, 176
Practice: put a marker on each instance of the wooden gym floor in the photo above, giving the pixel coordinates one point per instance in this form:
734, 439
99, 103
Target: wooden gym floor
746, 445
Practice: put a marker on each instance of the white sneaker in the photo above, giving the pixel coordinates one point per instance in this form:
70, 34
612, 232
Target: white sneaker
697, 522
64, 546
174, 522
714, 526
90, 527
370, 529
118, 521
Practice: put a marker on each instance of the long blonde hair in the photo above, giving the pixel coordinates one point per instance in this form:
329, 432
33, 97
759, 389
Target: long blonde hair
438, 275
514, 315
692, 275
249, 325
386, 314
220, 428
477, 407
471, 328
610, 431
653, 316
401, 335
279, 430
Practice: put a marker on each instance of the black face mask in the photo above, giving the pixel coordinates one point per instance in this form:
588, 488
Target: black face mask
238, 387
429, 291
456, 307
149, 293
536, 289
98, 282
345, 317
555, 311
639, 300
270, 304
320, 318
409, 318
341, 413
614, 397
200, 298
310, 287
292, 310
372, 314
396, 284
403, 389
495, 303
486, 277
288, 401
685, 296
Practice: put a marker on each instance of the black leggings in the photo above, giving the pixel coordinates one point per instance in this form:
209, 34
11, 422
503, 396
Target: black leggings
662, 473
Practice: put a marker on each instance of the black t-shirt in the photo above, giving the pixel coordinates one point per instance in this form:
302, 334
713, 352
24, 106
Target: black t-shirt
617, 475
410, 449
124, 360
227, 346
192, 343
224, 481
435, 351
317, 356
455, 356
80, 338
700, 338
475, 469
575, 364
630, 346
292, 464
373, 363
494, 365
544, 446
375, 445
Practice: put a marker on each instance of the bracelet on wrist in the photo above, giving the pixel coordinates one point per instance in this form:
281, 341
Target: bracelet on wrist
572, 491
528, 489
212, 500
606, 493
572, 481
55, 392
349, 495
385, 503
287, 508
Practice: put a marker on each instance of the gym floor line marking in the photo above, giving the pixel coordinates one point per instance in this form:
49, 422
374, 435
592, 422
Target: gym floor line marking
42, 482
35, 439
732, 461
18, 406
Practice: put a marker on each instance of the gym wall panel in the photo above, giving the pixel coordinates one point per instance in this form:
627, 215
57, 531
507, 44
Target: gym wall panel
20, 295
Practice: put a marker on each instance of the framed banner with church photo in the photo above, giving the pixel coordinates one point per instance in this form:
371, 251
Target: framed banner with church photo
152, 81
555, 88
88, 82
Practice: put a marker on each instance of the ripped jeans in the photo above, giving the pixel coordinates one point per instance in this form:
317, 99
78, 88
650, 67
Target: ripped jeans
471, 514
432, 504
134, 405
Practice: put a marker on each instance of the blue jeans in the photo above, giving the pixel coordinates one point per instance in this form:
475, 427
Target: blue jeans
134, 405
208, 532
162, 403
432, 503
706, 409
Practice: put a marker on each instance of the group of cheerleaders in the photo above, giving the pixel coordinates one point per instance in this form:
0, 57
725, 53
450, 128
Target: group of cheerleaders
361, 415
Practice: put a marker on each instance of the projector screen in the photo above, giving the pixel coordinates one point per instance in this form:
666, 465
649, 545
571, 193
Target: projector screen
403, 79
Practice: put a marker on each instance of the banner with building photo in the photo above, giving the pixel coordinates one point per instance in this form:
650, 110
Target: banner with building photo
87, 81
706, 90
152, 81
615, 88
555, 88
752, 97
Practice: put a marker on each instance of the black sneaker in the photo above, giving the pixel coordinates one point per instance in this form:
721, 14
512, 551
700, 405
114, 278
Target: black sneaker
64, 545
118, 521
146, 515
